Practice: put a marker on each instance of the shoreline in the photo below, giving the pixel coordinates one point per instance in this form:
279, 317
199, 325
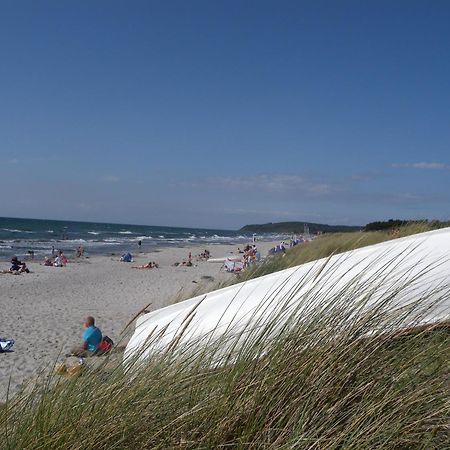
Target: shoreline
112, 251
43, 311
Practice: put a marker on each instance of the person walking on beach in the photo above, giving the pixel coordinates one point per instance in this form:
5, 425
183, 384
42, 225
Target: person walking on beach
92, 336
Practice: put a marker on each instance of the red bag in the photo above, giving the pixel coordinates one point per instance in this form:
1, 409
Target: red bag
106, 344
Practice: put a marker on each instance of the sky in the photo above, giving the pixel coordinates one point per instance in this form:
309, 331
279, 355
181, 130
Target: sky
217, 114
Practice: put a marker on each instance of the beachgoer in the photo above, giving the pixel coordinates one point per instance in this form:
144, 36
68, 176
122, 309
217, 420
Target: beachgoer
18, 266
183, 263
92, 336
48, 261
60, 260
139, 244
63, 257
149, 265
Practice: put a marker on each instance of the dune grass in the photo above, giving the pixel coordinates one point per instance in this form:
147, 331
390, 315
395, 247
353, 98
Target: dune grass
331, 244
320, 382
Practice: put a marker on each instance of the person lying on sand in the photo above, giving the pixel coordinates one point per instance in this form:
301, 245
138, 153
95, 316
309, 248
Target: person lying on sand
184, 263
149, 265
92, 336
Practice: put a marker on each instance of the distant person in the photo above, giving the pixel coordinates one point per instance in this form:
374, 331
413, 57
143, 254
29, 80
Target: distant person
92, 336
149, 265
18, 266
48, 261
139, 244
60, 260
31, 253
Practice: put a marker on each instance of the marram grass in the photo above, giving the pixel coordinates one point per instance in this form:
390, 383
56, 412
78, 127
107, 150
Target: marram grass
322, 381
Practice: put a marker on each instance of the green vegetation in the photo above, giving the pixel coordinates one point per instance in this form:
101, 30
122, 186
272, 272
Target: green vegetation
329, 244
323, 381
391, 224
296, 228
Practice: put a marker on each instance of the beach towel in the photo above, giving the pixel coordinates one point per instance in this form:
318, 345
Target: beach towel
233, 266
6, 344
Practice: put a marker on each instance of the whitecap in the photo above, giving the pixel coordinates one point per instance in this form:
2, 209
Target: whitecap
13, 230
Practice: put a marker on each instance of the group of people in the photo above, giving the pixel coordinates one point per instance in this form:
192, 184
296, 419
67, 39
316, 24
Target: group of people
204, 256
251, 255
280, 248
60, 260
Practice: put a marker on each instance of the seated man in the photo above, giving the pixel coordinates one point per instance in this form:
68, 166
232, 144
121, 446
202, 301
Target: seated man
92, 336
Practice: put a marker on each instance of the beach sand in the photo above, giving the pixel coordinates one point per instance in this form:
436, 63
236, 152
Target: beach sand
43, 311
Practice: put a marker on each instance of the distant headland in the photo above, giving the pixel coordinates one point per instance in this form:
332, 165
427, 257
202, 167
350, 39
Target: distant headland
299, 227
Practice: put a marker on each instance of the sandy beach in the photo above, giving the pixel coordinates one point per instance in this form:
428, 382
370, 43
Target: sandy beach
43, 311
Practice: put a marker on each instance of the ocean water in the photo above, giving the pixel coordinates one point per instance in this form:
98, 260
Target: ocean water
18, 236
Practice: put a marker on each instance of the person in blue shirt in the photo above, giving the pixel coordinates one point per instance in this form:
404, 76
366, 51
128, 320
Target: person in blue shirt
92, 336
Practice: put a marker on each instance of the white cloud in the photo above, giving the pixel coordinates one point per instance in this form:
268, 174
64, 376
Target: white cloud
269, 183
423, 165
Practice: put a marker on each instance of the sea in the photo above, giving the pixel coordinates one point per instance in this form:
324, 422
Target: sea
20, 236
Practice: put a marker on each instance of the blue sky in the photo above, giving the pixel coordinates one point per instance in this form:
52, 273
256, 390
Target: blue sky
219, 114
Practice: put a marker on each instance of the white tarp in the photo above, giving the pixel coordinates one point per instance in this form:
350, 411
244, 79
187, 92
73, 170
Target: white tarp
416, 267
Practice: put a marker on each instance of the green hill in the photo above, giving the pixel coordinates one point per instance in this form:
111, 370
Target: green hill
297, 227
